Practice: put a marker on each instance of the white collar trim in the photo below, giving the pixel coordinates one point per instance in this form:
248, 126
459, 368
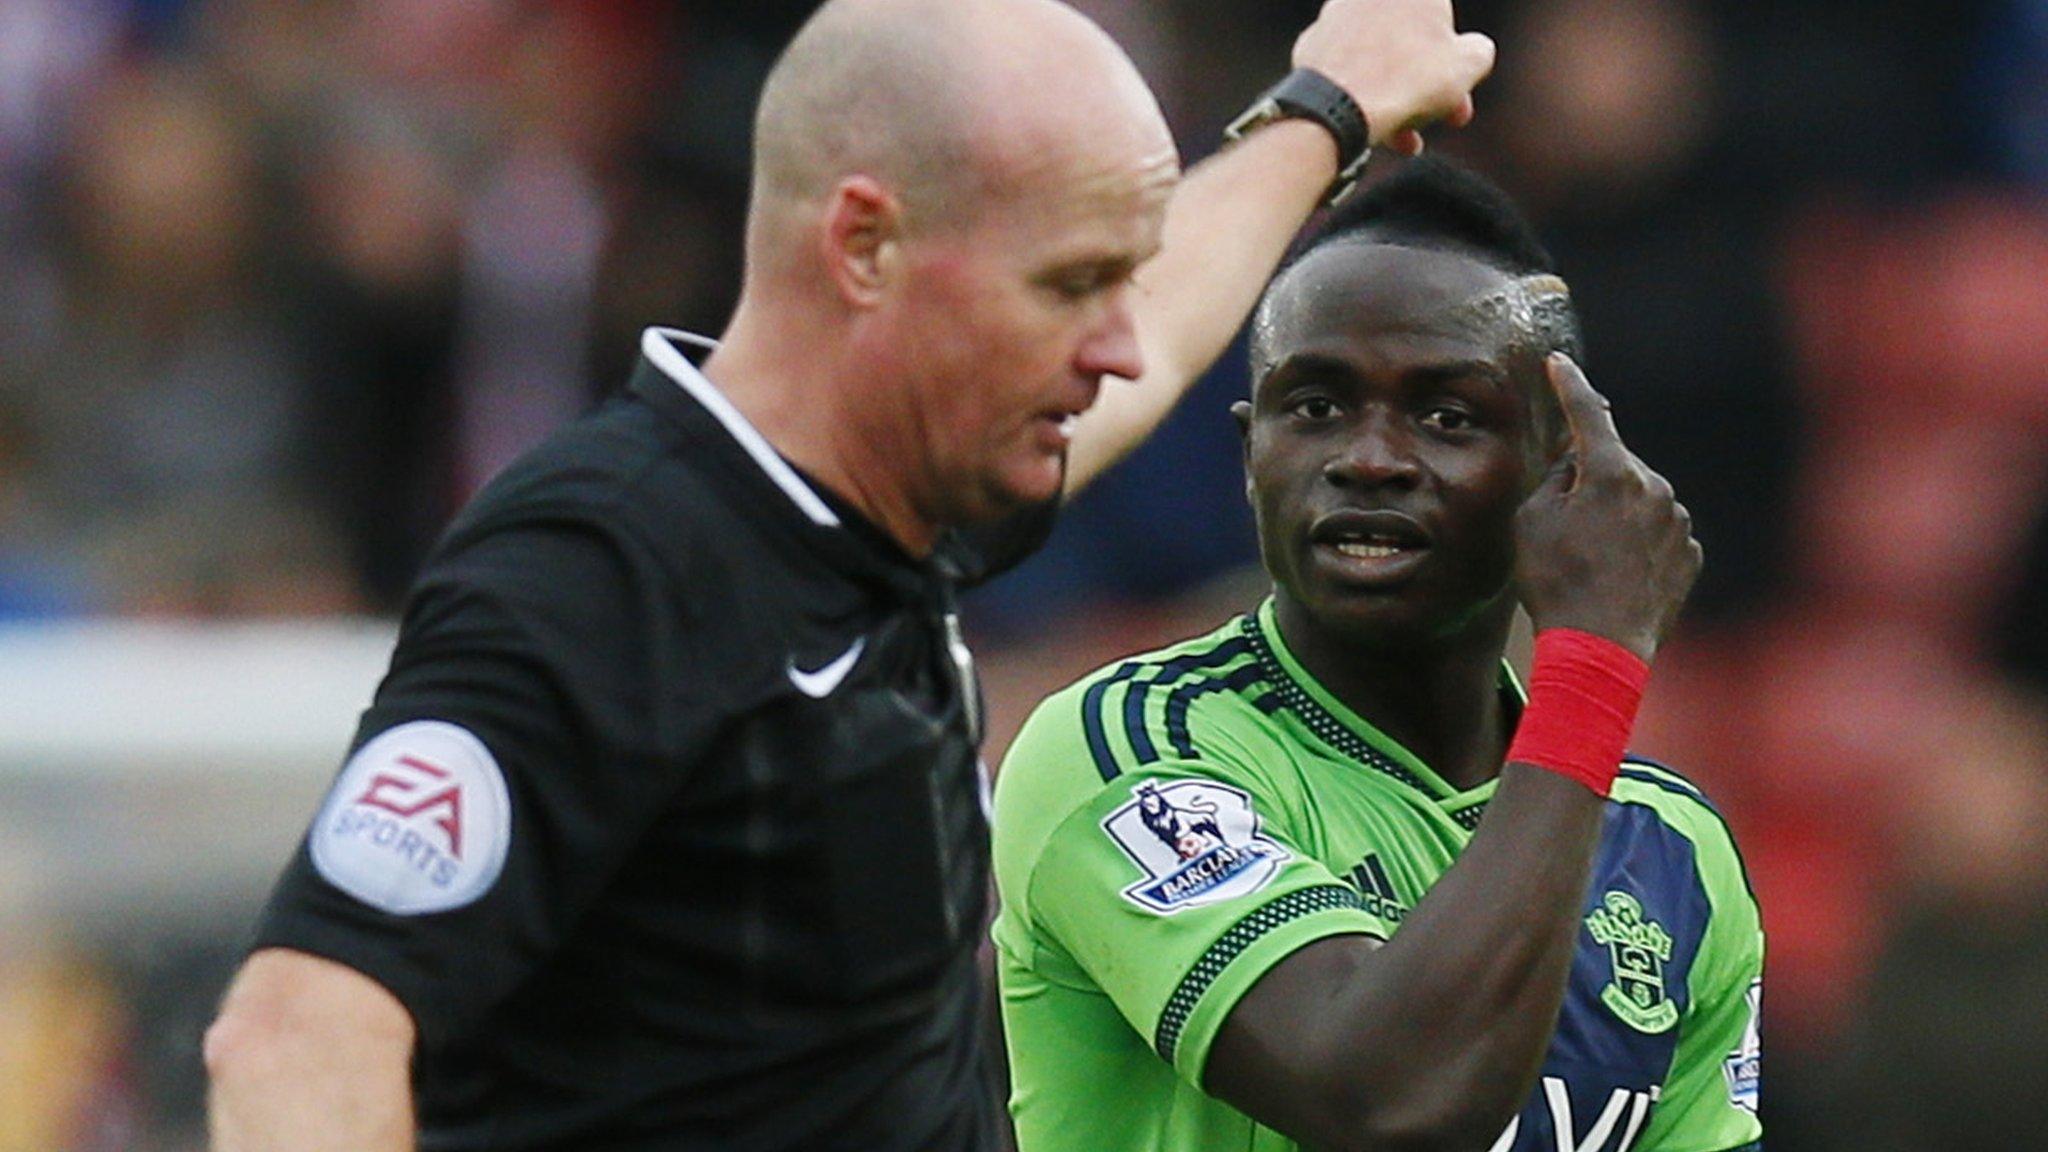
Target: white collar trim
659, 346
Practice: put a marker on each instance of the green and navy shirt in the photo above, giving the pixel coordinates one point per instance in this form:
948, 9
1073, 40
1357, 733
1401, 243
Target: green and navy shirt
1171, 827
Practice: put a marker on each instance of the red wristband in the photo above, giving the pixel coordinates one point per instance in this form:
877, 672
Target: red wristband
1583, 693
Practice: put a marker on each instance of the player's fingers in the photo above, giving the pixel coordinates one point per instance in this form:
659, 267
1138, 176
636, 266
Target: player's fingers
1406, 142
1586, 412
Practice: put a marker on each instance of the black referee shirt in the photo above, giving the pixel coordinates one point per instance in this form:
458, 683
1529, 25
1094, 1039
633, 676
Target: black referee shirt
667, 822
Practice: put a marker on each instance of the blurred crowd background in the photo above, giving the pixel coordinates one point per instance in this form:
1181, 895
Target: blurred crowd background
282, 283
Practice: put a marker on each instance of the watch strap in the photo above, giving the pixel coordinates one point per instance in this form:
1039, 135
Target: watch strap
1307, 94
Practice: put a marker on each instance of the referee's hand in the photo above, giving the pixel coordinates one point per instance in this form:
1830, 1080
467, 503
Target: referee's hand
1403, 61
1602, 545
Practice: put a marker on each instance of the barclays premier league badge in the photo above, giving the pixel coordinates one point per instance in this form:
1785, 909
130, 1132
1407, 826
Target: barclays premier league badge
1744, 1065
419, 821
1198, 843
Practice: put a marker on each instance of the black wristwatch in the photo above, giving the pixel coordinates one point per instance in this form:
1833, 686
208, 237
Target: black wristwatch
1307, 94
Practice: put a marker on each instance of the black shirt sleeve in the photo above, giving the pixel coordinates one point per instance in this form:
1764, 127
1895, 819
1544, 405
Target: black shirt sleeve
553, 644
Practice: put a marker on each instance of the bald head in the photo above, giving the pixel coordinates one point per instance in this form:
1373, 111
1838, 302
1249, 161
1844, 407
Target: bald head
951, 200
944, 102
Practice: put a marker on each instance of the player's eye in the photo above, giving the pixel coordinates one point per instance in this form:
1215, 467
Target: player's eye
1313, 406
1445, 418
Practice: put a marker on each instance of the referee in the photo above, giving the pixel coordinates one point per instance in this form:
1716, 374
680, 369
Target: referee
665, 828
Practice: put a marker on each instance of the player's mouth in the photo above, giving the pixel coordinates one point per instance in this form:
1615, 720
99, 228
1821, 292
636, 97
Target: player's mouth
1368, 547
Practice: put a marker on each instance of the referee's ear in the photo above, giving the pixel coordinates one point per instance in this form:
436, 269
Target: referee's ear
863, 222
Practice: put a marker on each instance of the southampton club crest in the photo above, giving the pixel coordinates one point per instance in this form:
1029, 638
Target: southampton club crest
1638, 948
1198, 843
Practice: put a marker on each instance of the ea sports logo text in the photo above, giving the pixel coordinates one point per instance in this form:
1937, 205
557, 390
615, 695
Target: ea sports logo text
401, 812
419, 821
399, 796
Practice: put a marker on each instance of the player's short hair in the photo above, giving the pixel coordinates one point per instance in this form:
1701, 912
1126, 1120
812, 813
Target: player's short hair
1431, 202
1436, 204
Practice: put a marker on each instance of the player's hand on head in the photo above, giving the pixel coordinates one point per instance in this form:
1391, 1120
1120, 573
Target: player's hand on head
1403, 61
1603, 545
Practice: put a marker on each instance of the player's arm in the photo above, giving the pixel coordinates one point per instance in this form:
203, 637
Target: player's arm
311, 1056
1233, 216
1433, 1039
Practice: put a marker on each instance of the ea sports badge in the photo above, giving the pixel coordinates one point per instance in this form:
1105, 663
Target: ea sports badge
419, 821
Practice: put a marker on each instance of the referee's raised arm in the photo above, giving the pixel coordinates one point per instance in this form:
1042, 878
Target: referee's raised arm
664, 829
1404, 65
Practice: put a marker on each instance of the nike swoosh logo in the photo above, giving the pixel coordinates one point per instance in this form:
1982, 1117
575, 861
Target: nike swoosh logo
819, 684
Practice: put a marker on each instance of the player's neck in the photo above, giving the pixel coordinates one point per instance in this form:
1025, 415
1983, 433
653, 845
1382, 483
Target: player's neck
1440, 699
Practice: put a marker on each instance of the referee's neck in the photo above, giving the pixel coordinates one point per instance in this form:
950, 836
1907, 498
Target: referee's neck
829, 420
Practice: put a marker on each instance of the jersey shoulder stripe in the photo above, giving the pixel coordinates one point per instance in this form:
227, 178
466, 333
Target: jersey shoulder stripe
1679, 794
1141, 693
1092, 722
1128, 711
1662, 775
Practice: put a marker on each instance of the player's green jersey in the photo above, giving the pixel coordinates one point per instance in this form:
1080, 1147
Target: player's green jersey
1171, 827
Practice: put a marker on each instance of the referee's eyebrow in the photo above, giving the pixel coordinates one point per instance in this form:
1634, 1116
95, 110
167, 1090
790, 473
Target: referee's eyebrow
1101, 268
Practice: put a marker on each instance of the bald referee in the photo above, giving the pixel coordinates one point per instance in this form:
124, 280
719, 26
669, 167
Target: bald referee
665, 828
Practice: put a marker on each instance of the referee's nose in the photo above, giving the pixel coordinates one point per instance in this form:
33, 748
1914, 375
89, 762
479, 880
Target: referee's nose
1111, 348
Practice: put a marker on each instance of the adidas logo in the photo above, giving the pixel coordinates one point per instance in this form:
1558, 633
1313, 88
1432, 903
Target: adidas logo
1376, 891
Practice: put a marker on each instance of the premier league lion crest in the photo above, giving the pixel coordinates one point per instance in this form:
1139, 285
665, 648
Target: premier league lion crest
1198, 843
1638, 948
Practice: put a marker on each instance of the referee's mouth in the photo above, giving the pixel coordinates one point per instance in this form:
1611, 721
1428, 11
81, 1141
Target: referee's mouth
1056, 426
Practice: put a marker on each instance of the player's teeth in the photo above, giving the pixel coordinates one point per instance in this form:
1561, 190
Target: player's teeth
1364, 551
1067, 425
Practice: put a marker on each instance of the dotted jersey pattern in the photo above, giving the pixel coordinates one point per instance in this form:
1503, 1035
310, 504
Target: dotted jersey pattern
1188, 992
1332, 731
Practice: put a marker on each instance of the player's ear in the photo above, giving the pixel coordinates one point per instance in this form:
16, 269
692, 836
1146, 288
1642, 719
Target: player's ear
861, 239
1241, 412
